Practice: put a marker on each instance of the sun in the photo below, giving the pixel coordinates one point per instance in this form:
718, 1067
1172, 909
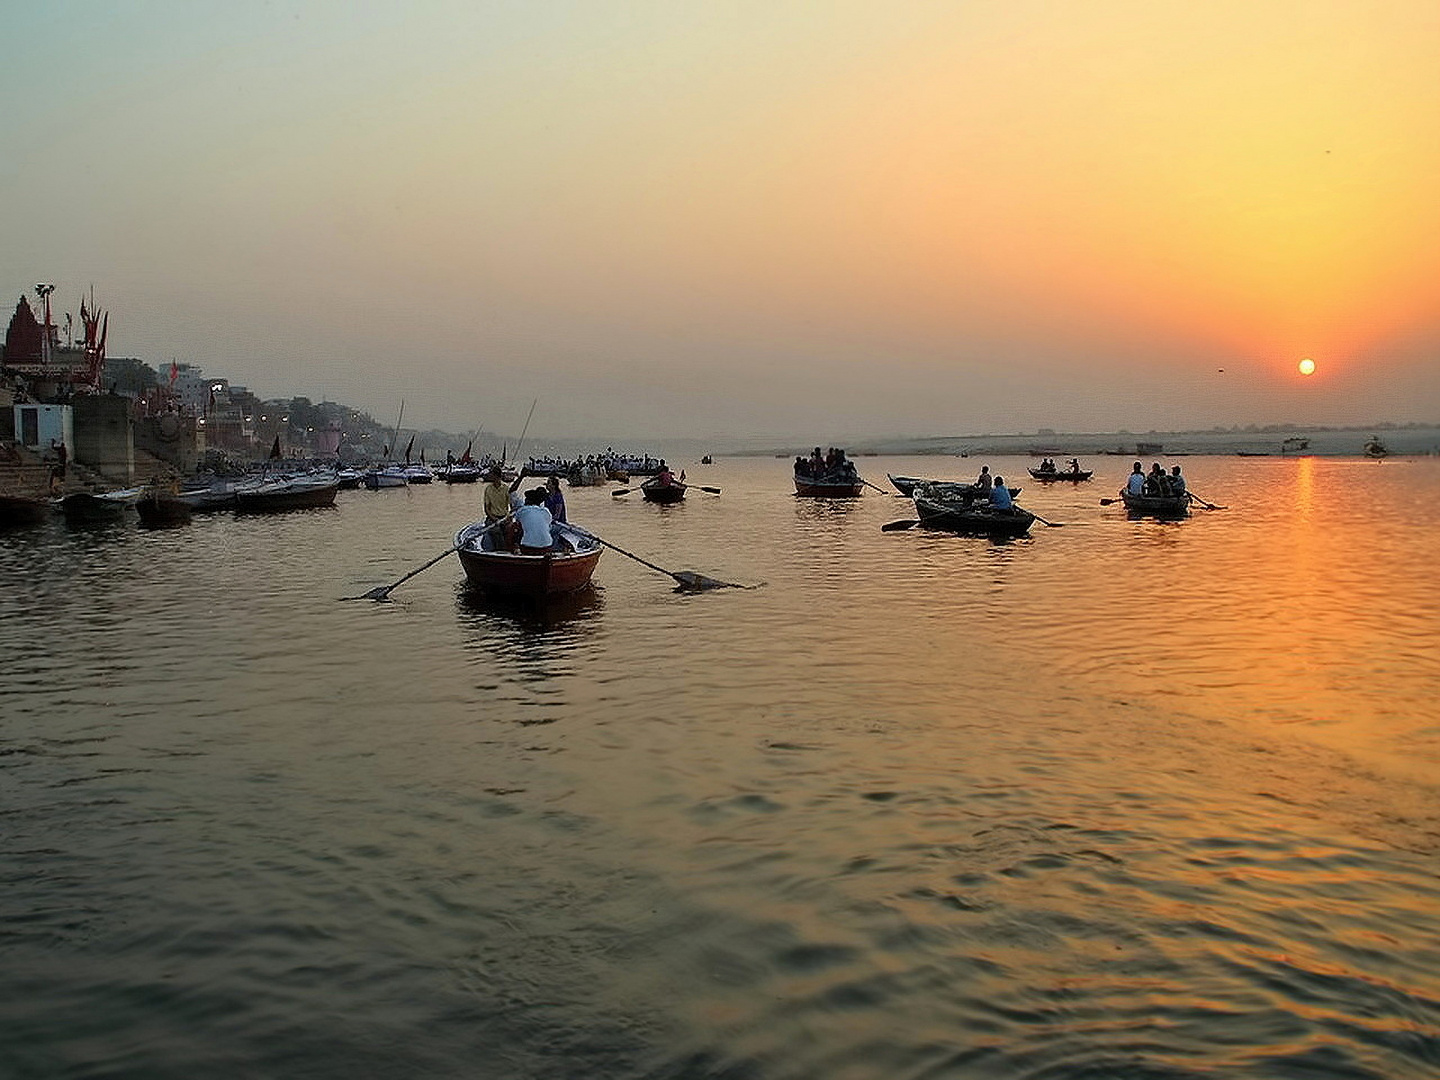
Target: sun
1307, 366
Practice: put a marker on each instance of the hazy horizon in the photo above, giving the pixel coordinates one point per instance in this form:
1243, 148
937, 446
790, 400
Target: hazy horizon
752, 222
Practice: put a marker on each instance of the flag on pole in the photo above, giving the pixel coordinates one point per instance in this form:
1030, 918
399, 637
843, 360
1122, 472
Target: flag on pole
465, 457
174, 371
408, 447
275, 449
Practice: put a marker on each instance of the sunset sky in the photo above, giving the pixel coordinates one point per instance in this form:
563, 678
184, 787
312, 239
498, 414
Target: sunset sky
751, 219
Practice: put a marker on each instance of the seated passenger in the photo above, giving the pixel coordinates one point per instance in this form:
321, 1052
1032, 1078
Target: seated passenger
1000, 495
984, 482
534, 521
1136, 484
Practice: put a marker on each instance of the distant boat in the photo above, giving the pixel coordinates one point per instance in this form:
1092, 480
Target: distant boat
1375, 447
1075, 475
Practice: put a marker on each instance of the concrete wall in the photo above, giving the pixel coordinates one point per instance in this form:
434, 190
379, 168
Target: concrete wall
172, 438
104, 436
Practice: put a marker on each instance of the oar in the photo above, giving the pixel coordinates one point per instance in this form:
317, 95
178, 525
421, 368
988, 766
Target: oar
686, 579
1042, 521
899, 526
622, 491
1110, 502
1202, 502
382, 592
698, 487
867, 483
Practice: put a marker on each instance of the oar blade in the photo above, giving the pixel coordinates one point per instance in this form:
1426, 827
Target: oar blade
899, 526
690, 581
621, 491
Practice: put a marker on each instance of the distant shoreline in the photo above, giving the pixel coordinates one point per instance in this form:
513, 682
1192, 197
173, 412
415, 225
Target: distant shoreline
1347, 442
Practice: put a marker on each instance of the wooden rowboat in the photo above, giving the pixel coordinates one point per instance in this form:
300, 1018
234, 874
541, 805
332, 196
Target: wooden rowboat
832, 486
975, 519
1075, 475
906, 485
566, 570
665, 494
1171, 506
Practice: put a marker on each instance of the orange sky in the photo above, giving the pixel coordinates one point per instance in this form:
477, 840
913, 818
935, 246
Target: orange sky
761, 219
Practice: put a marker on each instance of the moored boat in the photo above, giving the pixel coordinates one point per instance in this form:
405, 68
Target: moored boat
87, 508
938, 510
1156, 505
389, 476
287, 493
460, 472
162, 509
564, 570
17, 511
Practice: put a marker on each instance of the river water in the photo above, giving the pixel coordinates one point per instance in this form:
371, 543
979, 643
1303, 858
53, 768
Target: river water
1123, 799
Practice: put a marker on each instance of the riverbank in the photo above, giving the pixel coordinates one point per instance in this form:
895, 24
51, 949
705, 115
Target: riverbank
1337, 442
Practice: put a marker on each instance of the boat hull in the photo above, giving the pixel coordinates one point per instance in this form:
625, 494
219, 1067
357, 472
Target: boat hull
974, 520
1172, 506
664, 494
829, 489
906, 485
281, 498
18, 511
163, 511
534, 576
1065, 474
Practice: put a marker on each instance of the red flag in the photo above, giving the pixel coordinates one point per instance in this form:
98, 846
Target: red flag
174, 371
465, 457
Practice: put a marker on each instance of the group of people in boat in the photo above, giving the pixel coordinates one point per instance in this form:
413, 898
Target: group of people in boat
991, 489
1048, 466
1156, 483
521, 523
832, 464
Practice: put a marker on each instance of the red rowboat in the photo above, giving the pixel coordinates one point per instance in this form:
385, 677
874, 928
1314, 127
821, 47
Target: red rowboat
565, 570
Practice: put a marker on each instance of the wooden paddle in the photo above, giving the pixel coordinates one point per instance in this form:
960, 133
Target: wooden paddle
382, 592
686, 579
899, 526
1042, 521
677, 483
1202, 502
868, 484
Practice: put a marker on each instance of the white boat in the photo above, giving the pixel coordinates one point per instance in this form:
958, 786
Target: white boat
418, 474
388, 476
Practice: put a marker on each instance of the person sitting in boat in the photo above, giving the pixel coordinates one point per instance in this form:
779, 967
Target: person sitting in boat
554, 500
984, 482
1155, 481
1136, 484
534, 521
1075, 465
1047, 466
664, 477
1176, 482
817, 463
1000, 496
